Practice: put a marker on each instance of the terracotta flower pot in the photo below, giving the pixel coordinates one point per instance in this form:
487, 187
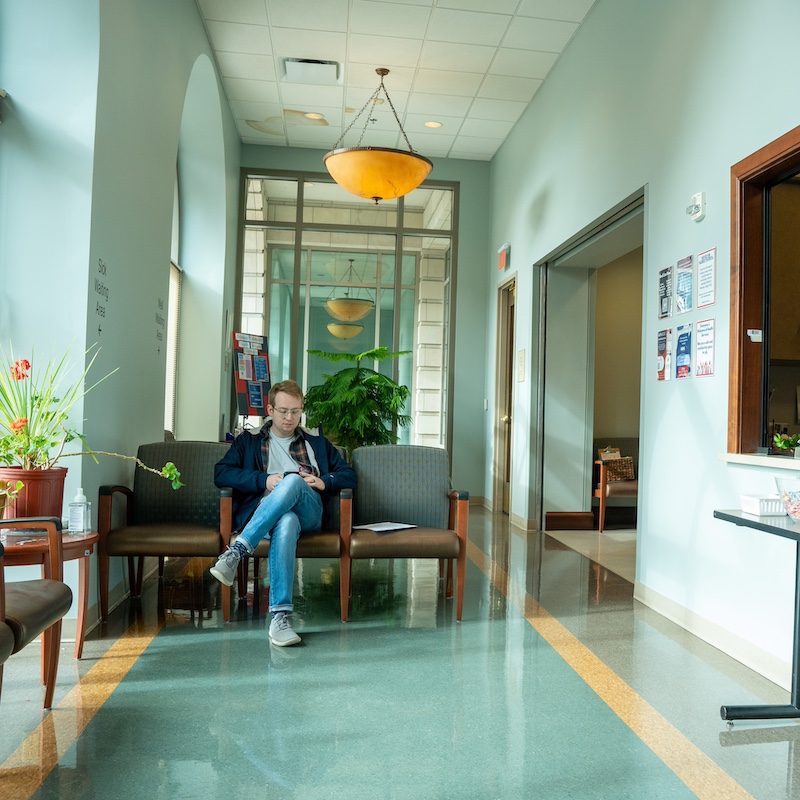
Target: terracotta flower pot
42, 495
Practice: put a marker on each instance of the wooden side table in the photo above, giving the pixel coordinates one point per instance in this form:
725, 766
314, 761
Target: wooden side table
22, 549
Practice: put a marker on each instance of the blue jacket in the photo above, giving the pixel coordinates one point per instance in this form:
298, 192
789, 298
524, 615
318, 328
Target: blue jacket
242, 468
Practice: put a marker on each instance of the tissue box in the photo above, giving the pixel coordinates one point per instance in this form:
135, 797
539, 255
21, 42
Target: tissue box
762, 506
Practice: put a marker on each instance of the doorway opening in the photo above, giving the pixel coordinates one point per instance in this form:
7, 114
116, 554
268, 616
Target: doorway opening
591, 372
504, 400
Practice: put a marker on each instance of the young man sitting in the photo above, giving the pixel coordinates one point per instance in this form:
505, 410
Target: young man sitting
281, 476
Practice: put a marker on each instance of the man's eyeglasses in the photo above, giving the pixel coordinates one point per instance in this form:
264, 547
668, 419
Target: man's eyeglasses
288, 412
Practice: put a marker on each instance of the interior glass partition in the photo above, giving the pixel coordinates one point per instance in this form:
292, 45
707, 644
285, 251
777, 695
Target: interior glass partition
307, 242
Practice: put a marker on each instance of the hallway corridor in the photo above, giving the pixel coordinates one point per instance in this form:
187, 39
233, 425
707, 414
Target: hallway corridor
555, 685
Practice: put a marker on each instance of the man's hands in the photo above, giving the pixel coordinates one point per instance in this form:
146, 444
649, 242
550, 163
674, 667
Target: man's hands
312, 480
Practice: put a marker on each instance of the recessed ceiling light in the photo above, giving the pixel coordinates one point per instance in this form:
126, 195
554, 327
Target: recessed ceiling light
313, 115
432, 124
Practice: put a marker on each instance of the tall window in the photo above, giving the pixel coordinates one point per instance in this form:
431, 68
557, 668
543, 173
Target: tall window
173, 322
307, 242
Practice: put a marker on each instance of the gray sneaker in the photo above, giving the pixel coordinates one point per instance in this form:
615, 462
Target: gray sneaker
281, 632
225, 568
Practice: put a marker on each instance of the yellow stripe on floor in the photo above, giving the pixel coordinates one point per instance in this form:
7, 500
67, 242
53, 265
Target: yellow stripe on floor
28, 766
691, 765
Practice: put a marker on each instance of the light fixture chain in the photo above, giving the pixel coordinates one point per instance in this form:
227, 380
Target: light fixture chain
355, 119
391, 105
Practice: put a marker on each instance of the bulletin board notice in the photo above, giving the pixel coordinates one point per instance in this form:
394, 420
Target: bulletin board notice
252, 376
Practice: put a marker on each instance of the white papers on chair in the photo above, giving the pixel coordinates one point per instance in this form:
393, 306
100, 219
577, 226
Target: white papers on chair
382, 527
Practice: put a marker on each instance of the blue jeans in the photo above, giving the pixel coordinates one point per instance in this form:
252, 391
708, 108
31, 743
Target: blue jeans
292, 506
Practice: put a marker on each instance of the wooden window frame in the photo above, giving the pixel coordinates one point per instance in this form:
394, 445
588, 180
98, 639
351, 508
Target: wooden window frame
750, 179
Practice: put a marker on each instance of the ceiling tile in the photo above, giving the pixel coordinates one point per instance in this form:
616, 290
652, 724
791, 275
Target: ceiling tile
462, 84
252, 12
236, 38
262, 137
498, 6
506, 110
356, 98
476, 144
376, 139
381, 50
501, 87
317, 134
433, 104
415, 123
523, 63
306, 97
568, 10
486, 128
384, 121
253, 91
467, 27
539, 34
299, 43
409, 2
244, 109
246, 65
453, 56
393, 18
455, 153
424, 144
363, 76
316, 15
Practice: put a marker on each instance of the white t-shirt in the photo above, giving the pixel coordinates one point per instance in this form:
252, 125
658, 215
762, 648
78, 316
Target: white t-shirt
280, 460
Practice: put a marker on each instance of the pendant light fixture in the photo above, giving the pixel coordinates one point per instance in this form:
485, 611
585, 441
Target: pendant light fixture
377, 173
342, 330
346, 308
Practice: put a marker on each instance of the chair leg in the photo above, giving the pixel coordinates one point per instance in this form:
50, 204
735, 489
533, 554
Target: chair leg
102, 570
461, 575
345, 566
53, 634
448, 587
601, 514
161, 567
132, 576
226, 603
140, 574
244, 567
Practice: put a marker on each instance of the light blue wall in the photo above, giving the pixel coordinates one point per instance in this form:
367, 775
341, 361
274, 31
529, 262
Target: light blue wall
474, 273
90, 142
665, 96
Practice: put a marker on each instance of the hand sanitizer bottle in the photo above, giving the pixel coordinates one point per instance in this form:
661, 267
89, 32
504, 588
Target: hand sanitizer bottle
79, 513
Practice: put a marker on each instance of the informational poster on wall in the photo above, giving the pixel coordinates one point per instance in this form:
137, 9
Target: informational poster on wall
684, 284
704, 348
252, 375
683, 351
664, 360
665, 292
707, 278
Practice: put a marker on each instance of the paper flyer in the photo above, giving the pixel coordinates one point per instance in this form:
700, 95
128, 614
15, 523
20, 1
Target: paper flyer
684, 284
683, 351
664, 360
704, 344
706, 278
664, 292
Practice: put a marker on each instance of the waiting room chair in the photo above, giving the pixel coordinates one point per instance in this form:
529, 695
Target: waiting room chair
324, 543
609, 484
33, 607
408, 484
192, 521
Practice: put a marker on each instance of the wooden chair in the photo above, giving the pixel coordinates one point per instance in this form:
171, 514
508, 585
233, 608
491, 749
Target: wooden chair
610, 485
408, 484
192, 521
34, 607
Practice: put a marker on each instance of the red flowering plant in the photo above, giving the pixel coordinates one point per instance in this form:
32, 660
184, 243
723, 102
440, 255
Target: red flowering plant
34, 414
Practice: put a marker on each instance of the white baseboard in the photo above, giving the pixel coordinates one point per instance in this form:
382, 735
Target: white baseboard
759, 660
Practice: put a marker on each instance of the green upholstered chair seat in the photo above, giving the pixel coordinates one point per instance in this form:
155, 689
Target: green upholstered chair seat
311, 544
6, 642
164, 539
405, 543
33, 606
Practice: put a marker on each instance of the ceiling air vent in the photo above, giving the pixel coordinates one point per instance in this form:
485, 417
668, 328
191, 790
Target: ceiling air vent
309, 70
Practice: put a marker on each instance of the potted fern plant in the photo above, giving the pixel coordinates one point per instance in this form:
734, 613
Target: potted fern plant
358, 406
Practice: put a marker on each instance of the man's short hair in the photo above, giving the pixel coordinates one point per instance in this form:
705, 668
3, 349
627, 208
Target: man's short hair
287, 387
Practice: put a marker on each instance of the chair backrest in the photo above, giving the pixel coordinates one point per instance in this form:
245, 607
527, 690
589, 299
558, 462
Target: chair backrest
402, 483
154, 499
628, 446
